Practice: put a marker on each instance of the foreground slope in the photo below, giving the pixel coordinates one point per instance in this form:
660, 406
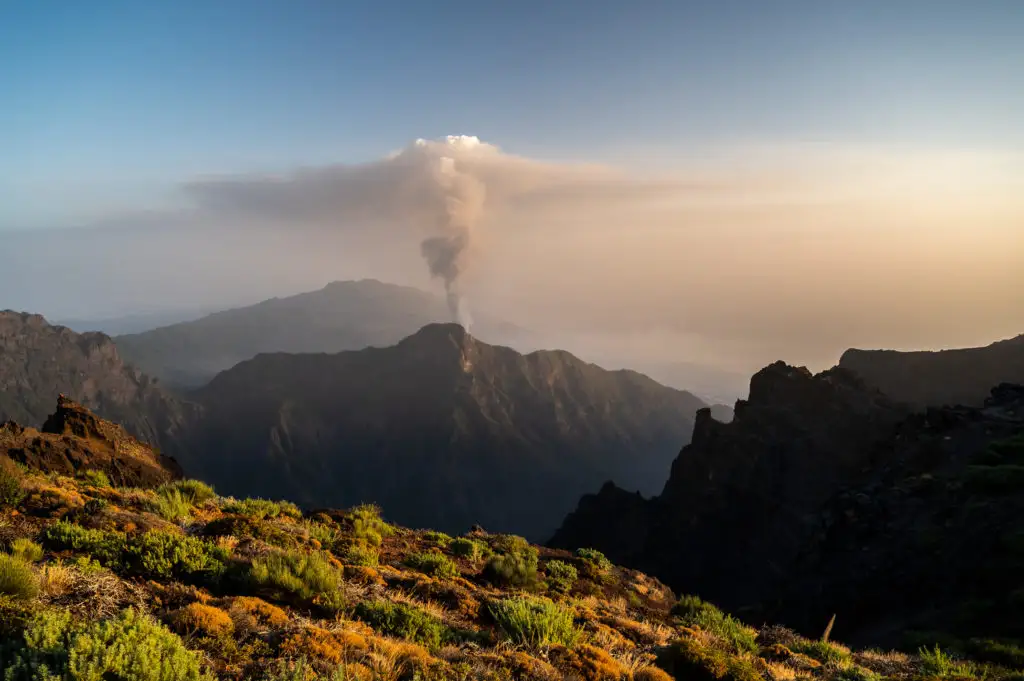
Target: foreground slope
442, 429
38, 361
178, 583
344, 315
951, 377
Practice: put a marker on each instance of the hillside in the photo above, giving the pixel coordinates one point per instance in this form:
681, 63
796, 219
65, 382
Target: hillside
39, 361
951, 377
344, 315
823, 497
442, 429
179, 583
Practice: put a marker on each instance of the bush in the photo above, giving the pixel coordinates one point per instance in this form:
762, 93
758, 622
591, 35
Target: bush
439, 538
306, 576
17, 578
96, 478
822, 651
154, 554
937, 663
692, 611
361, 554
128, 647
535, 622
468, 548
515, 565
561, 576
26, 549
11, 491
326, 535
262, 508
594, 558
367, 525
688, 658
202, 619
404, 621
165, 555
193, 491
433, 564
172, 506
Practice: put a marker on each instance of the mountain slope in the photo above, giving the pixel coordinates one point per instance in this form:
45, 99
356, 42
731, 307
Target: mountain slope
179, 582
344, 315
441, 428
38, 361
962, 376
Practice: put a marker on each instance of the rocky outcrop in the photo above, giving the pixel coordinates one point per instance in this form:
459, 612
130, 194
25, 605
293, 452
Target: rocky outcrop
73, 440
39, 360
947, 377
741, 499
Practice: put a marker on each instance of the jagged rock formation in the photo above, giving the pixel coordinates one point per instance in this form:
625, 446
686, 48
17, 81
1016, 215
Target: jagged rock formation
824, 497
73, 440
344, 315
39, 360
947, 377
442, 429
740, 500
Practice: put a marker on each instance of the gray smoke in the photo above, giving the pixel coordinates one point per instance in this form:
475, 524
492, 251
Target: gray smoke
460, 203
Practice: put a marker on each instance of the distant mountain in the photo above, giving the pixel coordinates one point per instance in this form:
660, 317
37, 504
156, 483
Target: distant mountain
38, 361
134, 323
344, 315
442, 429
950, 377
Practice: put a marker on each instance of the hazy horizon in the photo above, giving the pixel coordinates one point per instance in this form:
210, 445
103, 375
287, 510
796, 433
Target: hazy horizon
689, 182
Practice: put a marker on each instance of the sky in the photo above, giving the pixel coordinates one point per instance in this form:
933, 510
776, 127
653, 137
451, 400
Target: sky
832, 167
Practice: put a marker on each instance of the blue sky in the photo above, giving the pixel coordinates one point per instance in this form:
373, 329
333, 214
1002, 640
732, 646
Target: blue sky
106, 106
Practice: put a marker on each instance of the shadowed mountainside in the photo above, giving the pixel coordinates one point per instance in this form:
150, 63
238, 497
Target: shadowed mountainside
443, 429
946, 377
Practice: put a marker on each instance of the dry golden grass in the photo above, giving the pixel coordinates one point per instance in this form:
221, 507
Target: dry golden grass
56, 579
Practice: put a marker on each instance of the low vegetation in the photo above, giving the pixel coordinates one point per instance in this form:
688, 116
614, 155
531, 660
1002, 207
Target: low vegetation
178, 584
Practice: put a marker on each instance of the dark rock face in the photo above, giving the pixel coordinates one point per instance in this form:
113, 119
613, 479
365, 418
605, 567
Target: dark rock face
38, 361
73, 439
441, 429
824, 497
947, 377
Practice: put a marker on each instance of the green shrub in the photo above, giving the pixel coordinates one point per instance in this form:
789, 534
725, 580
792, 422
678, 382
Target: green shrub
361, 554
166, 554
535, 622
26, 549
595, 559
327, 535
439, 538
688, 658
404, 621
305, 575
171, 505
561, 576
262, 508
433, 564
11, 491
515, 564
692, 611
95, 478
106, 547
154, 554
367, 524
468, 548
17, 578
935, 662
128, 647
822, 651
193, 491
